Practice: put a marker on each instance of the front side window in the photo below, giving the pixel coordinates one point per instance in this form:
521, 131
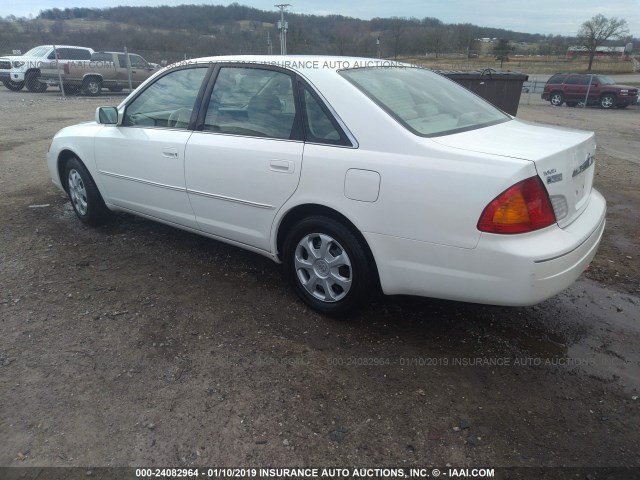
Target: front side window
424, 102
251, 101
137, 61
167, 102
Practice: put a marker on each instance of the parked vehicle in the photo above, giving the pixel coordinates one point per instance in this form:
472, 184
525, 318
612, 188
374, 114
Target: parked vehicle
357, 174
21, 70
572, 89
104, 69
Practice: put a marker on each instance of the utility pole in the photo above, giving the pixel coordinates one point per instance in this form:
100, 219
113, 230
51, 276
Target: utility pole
269, 45
283, 26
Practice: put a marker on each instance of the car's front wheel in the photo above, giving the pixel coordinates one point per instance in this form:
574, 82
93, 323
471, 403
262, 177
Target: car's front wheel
556, 99
84, 194
608, 101
33, 84
71, 90
327, 265
14, 86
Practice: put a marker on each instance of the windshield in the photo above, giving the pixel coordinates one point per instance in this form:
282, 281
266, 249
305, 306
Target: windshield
604, 80
424, 102
38, 52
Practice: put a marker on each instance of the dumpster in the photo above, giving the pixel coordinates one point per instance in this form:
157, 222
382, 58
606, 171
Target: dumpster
502, 89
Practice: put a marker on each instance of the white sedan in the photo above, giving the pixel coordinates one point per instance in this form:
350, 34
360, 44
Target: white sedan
357, 174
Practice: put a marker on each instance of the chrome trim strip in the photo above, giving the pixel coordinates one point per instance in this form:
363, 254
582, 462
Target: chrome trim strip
231, 199
145, 182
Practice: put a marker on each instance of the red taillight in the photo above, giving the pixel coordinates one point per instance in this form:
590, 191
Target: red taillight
524, 207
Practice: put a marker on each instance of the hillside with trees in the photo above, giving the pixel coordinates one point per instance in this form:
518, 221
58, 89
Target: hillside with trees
195, 30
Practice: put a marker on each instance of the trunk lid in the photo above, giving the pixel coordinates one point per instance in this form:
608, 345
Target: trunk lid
564, 158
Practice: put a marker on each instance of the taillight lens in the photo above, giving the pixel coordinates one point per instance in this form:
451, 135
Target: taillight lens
522, 208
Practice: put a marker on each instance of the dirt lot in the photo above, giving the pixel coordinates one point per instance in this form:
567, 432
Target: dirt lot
138, 344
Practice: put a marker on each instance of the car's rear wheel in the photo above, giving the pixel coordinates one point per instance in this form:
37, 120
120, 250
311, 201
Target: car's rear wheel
84, 194
608, 101
556, 99
32, 83
327, 265
92, 86
14, 86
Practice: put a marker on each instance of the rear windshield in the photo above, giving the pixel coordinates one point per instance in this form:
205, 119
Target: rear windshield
424, 102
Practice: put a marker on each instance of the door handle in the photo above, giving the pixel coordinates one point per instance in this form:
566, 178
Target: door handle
169, 152
282, 166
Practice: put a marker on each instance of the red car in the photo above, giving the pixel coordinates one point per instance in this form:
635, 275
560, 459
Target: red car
572, 88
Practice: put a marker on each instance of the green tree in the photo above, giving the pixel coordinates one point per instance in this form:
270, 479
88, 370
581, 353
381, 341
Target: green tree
595, 32
502, 50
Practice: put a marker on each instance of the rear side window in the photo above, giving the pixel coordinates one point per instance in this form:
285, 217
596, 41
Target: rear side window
556, 79
252, 101
101, 57
73, 54
573, 80
319, 125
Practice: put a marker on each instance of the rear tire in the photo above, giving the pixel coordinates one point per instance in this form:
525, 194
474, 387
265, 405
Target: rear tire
92, 86
84, 194
327, 265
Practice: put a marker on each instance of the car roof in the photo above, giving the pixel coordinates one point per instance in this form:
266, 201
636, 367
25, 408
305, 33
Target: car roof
299, 63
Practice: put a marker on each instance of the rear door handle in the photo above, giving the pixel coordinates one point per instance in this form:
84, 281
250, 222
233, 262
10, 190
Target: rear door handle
282, 166
170, 152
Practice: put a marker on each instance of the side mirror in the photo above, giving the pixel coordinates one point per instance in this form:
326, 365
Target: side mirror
107, 115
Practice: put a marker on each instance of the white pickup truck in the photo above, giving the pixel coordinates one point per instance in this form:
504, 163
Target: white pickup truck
103, 70
20, 70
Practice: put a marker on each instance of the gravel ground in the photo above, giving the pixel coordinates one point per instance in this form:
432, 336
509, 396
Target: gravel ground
138, 344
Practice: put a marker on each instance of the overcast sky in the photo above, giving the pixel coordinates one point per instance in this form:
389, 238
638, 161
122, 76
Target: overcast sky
561, 17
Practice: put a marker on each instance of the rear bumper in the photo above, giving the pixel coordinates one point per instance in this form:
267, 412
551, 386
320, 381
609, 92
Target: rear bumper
502, 270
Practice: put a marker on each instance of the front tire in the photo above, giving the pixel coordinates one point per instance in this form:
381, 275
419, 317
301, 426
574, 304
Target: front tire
14, 86
608, 101
84, 194
327, 265
556, 99
71, 90
32, 83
